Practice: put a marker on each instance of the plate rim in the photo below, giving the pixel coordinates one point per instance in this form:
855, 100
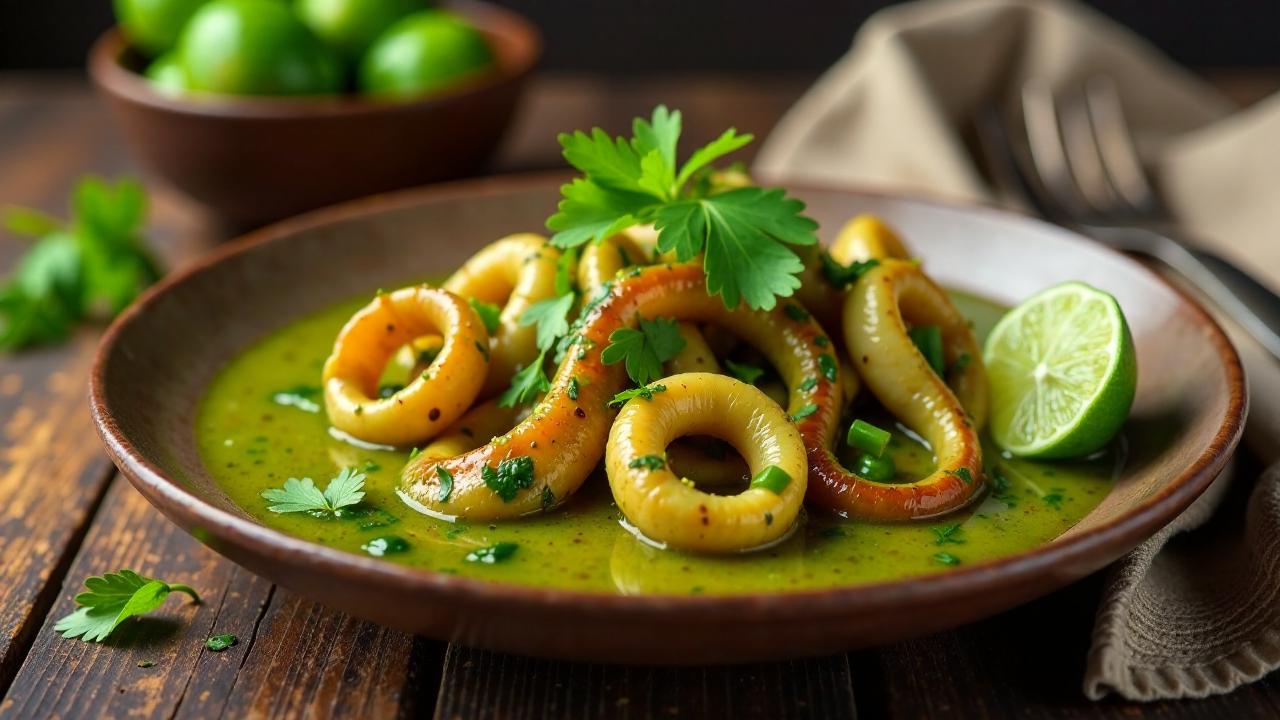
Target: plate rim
1112, 539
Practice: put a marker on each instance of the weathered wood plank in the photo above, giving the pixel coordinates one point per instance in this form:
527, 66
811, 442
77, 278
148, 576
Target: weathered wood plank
293, 657
481, 685
1028, 662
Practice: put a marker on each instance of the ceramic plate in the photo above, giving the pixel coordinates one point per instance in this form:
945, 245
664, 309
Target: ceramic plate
159, 357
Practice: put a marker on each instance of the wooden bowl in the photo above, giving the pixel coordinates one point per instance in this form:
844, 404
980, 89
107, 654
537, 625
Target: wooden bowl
251, 160
157, 359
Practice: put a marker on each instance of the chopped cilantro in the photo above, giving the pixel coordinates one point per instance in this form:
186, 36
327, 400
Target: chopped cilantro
946, 558
552, 318
648, 462
646, 392
844, 275
947, 534
748, 374
218, 643
303, 397
489, 313
795, 312
446, 483
527, 384
572, 392
808, 384
513, 475
492, 554
828, 365
804, 412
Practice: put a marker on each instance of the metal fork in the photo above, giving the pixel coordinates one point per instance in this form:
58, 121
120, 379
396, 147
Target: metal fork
1075, 162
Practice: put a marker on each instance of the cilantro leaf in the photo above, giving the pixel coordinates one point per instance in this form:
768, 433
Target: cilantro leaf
648, 462
489, 313
661, 134
91, 268
113, 598
218, 643
552, 318
513, 475
744, 234
748, 374
492, 554
527, 384
728, 141
645, 391
644, 349
303, 495
844, 275
588, 211
303, 397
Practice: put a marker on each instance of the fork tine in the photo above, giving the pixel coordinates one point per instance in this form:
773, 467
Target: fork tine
1048, 156
998, 158
1116, 145
1084, 160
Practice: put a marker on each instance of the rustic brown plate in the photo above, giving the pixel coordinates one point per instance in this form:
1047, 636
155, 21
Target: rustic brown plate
157, 359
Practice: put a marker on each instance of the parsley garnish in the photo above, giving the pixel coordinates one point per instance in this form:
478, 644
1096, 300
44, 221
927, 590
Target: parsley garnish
804, 412
488, 312
1054, 498
644, 391
842, 275
89, 268
548, 497
947, 534
512, 476
218, 643
961, 362
808, 384
446, 483
644, 349
572, 392
946, 558
113, 598
828, 365
743, 233
748, 374
795, 312
303, 495
552, 318
527, 384
648, 462
963, 473
495, 553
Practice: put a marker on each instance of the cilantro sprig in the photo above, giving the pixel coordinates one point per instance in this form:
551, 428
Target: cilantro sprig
302, 495
644, 348
743, 233
113, 598
89, 268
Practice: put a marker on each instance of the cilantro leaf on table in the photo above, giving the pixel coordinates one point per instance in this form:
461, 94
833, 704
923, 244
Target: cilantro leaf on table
90, 268
744, 232
302, 495
527, 384
113, 598
644, 348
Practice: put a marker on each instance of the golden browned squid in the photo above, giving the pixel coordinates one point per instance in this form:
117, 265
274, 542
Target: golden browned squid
546, 457
601, 262
514, 273
670, 509
877, 311
430, 400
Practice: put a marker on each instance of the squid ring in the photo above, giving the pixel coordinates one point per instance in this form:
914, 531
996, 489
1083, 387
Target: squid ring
429, 402
876, 313
547, 456
514, 272
670, 510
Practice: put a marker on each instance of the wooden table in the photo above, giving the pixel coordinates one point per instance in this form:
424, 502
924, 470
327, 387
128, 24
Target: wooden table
66, 514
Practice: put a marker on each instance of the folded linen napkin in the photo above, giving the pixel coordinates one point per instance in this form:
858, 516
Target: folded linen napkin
1180, 616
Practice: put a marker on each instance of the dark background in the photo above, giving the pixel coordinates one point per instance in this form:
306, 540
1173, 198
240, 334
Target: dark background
641, 36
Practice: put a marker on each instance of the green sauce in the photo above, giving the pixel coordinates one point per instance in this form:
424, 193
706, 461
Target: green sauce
257, 427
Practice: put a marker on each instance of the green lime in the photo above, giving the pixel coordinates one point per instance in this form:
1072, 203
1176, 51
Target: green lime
256, 47
153, 26
350, 26
166, 75
425, 51
1063, 373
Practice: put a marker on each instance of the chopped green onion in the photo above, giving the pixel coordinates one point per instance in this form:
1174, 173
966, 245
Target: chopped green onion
876, 469
928, 339
868, 438
773, 478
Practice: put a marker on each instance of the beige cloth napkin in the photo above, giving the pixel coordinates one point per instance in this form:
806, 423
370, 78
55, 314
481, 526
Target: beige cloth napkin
1183, 615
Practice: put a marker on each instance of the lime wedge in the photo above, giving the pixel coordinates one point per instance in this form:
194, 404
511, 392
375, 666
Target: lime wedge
1063, 373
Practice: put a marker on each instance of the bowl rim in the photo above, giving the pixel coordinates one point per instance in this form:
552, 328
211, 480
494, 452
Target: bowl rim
109, 73
1025, 570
